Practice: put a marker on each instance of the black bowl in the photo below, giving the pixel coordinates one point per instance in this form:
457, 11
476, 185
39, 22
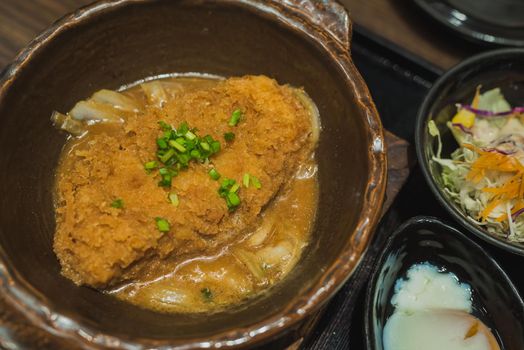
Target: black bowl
496, 302
486, 22
499, 68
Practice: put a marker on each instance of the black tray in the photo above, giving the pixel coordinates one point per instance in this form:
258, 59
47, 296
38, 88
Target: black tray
398, 82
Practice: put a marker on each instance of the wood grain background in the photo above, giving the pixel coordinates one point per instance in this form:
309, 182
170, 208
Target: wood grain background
398, 21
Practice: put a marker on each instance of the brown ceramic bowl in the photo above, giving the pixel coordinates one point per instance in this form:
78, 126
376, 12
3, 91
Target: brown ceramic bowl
111, 43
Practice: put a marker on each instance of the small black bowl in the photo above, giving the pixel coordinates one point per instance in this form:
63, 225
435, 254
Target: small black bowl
496, 302
499, 68
485, 22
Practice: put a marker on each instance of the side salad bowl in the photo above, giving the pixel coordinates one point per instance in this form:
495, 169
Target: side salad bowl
499, 69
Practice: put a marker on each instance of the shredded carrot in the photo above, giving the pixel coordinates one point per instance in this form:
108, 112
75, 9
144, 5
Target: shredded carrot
511, 191
492, 205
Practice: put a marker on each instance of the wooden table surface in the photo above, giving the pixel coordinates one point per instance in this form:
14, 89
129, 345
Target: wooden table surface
399, 21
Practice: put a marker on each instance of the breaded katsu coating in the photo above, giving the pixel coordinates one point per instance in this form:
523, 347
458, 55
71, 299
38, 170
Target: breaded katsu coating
99, 243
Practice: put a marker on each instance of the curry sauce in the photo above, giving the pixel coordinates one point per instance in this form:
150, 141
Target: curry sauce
193, 243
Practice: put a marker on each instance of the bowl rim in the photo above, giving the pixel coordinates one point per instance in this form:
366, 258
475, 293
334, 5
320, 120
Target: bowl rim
420, 129
20, 293
415, 221
474, 30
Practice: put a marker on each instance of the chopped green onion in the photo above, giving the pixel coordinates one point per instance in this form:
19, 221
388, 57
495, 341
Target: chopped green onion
225, 187
229, 136
166, 181
164, 126
151, 165
190, 136
215, 146
167, 155
117, 203
162, 224
235, 117
167, 175
245, 180
173, 198
207, 294
196, 154
228, 190
167, 171
256, 182
177, 145
234, 188
215, 175
177, 148
161, 143
233, 200
184, 159
183, 128
190, 144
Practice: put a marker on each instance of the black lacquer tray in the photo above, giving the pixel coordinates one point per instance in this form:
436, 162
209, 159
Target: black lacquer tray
398, 82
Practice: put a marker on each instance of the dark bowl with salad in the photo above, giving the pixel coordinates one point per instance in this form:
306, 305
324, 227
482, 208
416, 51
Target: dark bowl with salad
470, 145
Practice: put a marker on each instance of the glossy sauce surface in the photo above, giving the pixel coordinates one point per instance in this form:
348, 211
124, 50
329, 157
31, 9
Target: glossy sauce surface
242, 269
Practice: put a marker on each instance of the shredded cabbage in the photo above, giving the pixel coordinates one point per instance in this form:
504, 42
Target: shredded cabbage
482, 176
493, 101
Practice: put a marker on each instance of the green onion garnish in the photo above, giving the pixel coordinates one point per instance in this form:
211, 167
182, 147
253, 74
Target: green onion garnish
151, 165
235, 117
173, 198
215, 175
207, 294
228, 190
177, 148
183, 159
233, 199
164, 158
245, 180
234, 188
161, 143
166, 181
162, 224
229, 136
177, 145
256, 182
195, 154
215, 146
118, 203
183, 128
164, 126
225, 186
190, 136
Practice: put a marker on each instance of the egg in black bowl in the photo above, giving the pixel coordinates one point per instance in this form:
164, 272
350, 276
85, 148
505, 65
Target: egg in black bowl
426, 241
501, 74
